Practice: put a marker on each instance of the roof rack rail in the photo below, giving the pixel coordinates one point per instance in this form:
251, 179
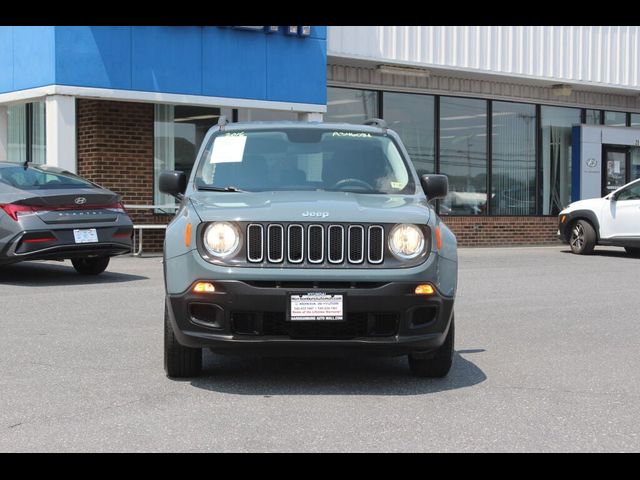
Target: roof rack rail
223, 120
376, 122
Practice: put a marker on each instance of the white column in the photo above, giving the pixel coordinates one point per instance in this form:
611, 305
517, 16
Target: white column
309, 117
4, 129
61, 131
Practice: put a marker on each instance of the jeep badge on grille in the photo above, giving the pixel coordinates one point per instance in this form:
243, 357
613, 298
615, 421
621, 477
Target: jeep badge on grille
315, 214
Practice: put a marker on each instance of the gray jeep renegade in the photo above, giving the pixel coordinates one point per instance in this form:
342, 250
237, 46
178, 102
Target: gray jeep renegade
299, 238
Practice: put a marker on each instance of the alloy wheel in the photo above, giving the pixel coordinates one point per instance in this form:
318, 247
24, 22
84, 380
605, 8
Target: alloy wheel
577, 237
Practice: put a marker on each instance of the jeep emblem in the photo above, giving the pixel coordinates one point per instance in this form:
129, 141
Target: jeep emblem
315, 214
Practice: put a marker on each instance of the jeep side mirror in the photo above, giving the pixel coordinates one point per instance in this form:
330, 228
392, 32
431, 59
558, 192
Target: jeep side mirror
173, 183
435, 186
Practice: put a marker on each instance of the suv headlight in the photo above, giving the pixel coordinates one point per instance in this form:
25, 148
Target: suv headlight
406, 241
221, 239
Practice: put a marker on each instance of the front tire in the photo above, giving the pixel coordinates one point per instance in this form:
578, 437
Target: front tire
179, 361
583, 238
633, 251
440, 364
90, 265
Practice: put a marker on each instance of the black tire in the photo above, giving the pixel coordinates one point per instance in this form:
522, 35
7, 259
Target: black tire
633, 251
582, 239
439, 365
179, 361
90, 265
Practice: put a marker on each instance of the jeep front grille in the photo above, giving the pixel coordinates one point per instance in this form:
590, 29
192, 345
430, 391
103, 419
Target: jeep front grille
315, 244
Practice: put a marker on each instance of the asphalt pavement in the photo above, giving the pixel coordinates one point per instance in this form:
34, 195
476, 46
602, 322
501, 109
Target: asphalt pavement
546, 360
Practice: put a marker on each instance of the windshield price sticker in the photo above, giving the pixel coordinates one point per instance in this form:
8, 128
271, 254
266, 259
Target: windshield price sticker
228, 149
316, 307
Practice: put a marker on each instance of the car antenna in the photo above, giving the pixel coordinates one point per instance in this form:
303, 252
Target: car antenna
26, 164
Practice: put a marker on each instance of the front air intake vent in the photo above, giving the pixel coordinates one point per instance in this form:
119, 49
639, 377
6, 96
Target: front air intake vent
255, 243
275, 243
356, 244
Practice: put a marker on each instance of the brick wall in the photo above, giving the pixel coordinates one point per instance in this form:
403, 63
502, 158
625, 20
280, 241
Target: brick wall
115, 150
503, 231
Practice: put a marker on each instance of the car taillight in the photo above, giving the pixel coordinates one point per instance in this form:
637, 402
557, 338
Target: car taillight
13, 210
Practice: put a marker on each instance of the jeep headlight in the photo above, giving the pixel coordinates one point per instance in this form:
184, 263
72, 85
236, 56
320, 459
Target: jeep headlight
406, 241
221, 239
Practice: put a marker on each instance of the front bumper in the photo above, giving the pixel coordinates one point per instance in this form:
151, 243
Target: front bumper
385, 318
563, 227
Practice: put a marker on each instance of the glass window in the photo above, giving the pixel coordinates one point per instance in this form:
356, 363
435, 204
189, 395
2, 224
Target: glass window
615, 119
632, 192
412, 117
178, 133
593, 117
463, 155
17, 133
635, 119
635, 163
556, 157
41, 177
26, 133
346, 105
304, 159
513, 149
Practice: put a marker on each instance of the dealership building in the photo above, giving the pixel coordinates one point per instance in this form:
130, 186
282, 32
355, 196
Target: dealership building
523, 120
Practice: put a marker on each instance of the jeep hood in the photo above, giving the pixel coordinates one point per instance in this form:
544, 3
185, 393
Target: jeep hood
299, 206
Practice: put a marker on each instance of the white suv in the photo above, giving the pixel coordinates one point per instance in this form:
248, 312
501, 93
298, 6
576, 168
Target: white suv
611, 220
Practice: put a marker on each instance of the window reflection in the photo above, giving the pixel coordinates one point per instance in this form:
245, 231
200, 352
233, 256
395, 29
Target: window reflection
593, 117
347, 105
556, 157
514, 159
412, 117
463, 155
615, 119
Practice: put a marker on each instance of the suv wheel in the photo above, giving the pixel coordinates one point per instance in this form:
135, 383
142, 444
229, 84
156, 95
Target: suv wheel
583, 238
440, 364
179, 361
634, 251
90, 266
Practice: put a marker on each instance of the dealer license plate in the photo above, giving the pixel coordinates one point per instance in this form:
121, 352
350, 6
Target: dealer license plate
316, 307
86, 236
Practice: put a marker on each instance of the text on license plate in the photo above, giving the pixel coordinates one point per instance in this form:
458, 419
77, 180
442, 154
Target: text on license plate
86, 236
316, 306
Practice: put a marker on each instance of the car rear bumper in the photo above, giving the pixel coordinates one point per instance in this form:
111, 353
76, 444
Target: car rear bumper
381, 319
111, 241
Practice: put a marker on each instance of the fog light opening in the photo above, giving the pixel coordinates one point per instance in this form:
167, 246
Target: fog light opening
204, 287
425, 289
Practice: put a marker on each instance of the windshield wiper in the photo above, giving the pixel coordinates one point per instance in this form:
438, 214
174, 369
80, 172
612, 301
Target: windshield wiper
219, 189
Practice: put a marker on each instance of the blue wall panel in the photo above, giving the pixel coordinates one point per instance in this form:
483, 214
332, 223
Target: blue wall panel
296, 69
195, 60
6, 59
27, 57
94, 56
167, 59
234, 63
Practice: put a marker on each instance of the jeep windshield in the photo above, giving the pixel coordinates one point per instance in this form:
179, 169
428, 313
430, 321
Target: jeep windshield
303, 159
